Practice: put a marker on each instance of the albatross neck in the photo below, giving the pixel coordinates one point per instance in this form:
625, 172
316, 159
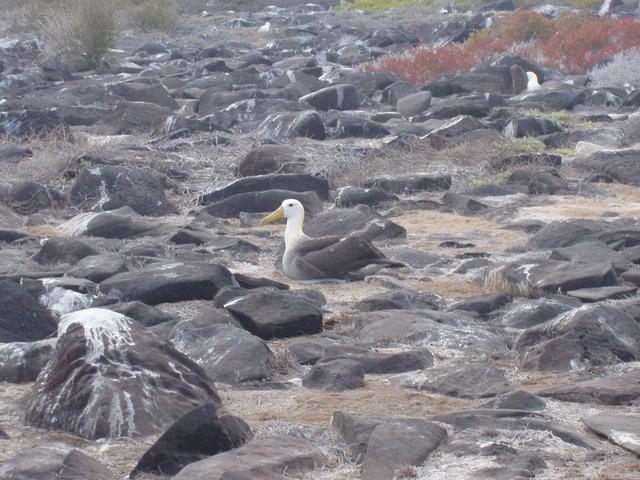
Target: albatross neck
293, 232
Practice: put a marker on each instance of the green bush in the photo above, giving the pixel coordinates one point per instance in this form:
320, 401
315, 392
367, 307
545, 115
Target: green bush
80, 31
149, 15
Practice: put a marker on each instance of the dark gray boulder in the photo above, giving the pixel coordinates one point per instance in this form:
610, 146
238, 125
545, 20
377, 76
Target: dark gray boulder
107, 187
517, 400
141, 312
393, 92
468, 380
132, 117
350, 125
54, 460
227, 352
266, 159
197, 435
621, 166
537, 278
120, 223
397, 443
413, 104
352, 196
23, 318
547, 182
483, 304
63, 250
262, 459
99, 267
28, 197
335, 375
619, 389
154, 93
530, 313
285, 313
530, 127
335, 97
410, 184
82, 389
361, 220
564, 97
261, 201
463, 205
590, 336
23, 361
399, 299
291, 182
293, 124
168, 282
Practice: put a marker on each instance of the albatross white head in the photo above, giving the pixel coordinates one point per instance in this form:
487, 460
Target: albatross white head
293, 211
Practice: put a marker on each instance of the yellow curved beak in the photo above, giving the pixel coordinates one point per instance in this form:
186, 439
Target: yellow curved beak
273, 216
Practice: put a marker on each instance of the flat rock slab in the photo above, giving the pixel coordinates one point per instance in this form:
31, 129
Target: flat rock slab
623, 430
603, 293
264, 459
279, 314
335, 375
54, 460
362, 220
468, 380
621, 389
262, 201
448, 334
169, 282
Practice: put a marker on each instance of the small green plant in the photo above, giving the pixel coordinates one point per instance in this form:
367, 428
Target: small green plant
559, 116
79, 31
515, 146
497, 179
374, 5
149, 15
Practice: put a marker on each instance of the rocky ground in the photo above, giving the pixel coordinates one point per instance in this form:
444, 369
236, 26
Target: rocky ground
142, 305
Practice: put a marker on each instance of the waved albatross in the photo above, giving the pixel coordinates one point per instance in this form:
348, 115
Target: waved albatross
330, 257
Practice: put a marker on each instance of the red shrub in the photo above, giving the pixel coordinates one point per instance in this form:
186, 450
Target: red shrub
570, 43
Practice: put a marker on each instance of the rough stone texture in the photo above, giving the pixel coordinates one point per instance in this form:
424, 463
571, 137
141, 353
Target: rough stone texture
63, 250
264, 459
83, 391
621, 389
397, 443
589, 336
168, 282
277, 314
54, 460
360, 220
23, 318
262, 201
289, 181
105, 187
470, 380
228, 353
197, 435
23, 361
623, 430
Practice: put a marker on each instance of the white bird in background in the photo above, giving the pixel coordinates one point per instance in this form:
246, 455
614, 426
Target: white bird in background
265, 28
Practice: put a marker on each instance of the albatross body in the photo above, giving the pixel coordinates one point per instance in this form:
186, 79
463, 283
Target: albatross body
331, 257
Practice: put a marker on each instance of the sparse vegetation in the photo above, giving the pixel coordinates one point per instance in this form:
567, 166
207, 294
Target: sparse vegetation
624, 69
79, 31
570, 43
149, 15
515, 146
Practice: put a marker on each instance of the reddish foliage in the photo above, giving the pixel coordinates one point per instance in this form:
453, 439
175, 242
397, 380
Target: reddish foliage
570, 43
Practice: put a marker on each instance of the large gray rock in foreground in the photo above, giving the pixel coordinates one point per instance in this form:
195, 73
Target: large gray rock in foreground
265, 459
54, 461
110, 378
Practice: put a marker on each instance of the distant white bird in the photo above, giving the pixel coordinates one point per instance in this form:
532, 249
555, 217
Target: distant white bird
265, 28
532, 84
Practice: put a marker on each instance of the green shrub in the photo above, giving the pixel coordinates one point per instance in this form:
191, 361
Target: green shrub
374, 5
80, 31
149, 15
